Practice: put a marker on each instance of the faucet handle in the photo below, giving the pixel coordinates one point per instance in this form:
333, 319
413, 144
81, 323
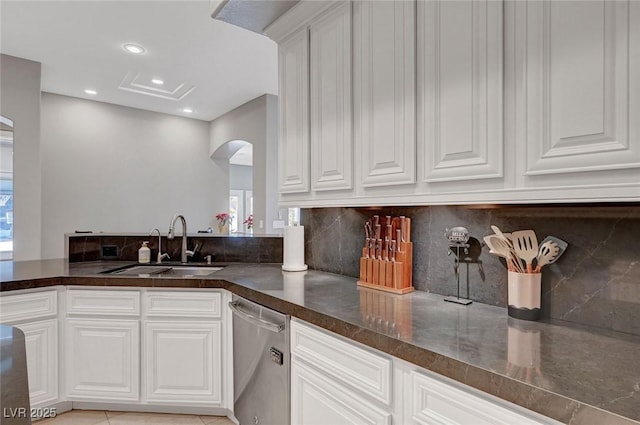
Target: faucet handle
195, 249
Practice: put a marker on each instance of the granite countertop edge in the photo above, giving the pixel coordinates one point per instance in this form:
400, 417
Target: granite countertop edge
569, 410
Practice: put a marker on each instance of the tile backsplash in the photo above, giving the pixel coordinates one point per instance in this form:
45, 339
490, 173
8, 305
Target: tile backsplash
223, 249
595, 283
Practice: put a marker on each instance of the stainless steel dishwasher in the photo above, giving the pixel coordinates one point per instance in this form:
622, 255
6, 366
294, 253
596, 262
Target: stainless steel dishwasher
261, 364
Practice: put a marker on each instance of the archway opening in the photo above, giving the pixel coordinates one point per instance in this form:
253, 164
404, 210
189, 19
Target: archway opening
241, 189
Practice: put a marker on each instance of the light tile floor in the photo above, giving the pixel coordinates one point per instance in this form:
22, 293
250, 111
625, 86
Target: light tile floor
98, 417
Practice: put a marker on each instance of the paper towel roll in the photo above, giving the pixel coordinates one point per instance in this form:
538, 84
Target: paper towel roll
293, 254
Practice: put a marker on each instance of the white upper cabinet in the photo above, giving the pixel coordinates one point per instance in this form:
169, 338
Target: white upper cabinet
419, 102
293, 143
579, 90
384, 91
331, 138
460, 89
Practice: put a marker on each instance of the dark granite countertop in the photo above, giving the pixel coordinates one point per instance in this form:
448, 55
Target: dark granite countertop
577, 375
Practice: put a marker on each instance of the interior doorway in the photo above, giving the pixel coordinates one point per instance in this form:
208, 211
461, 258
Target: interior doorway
241, 188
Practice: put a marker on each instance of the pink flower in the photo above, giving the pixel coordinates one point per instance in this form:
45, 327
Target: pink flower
223, 218
249, 221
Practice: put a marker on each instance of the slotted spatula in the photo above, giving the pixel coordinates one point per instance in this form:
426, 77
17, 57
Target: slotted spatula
525, 244
546, 254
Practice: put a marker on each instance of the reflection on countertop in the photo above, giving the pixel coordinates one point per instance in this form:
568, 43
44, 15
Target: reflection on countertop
571, 373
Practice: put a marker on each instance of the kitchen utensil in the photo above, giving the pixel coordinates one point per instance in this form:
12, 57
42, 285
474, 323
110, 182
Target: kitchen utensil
505, 250
525, 244
562, 246
546, 254
488, 242
501, 235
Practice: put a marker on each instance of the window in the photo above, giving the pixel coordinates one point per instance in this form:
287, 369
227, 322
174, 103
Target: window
6, 189
240, 207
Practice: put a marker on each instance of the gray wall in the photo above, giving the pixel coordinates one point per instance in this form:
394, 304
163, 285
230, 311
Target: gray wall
596, 282
20, 102
254, 122
116, 169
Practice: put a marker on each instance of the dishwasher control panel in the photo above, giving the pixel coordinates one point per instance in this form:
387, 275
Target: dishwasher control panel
276, 356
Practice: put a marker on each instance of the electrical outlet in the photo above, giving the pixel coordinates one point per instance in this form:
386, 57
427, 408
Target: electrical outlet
109, 251
261, 224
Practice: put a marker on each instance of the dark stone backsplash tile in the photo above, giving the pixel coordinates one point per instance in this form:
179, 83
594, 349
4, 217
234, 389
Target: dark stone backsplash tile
595, 283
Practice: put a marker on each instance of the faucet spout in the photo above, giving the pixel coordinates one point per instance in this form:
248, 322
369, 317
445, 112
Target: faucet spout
171, 235
160, 256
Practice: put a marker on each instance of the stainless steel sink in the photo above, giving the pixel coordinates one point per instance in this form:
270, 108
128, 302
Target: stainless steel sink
163, 271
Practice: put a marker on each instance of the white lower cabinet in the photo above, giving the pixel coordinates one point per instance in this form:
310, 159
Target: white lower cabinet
334, 381
35, 313
431, 400
318, 400
337, 381
102, 359
41, 344
183, 362
183, 344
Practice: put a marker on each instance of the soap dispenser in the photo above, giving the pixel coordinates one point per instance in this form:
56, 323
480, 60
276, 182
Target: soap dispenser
144, 253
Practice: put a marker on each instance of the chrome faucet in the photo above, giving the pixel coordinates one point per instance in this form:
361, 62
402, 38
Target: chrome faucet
161, 256
184, 252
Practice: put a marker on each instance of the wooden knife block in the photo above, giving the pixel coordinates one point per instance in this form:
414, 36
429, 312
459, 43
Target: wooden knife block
390, 276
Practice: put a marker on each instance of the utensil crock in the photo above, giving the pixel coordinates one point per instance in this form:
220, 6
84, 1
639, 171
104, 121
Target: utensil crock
524, 295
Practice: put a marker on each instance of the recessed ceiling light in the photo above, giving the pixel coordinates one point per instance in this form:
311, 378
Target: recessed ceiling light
89, 91
134, 48
157, 81
187, 110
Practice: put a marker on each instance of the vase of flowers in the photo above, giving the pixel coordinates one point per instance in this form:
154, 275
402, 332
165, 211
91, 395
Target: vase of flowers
249, 223
223, 223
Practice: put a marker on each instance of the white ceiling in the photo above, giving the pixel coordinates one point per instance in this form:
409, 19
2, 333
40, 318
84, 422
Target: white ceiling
79, 44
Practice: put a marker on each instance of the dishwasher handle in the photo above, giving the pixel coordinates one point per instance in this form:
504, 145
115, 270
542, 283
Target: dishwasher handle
265, 324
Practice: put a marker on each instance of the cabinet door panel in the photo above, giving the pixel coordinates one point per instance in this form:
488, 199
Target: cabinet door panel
293, 101
579, 110
183, 362
102, 359
41, 343
331, 139
435, 402
460, 89
316, 400
384, 91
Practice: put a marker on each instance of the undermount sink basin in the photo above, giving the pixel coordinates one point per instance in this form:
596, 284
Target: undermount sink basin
163, 271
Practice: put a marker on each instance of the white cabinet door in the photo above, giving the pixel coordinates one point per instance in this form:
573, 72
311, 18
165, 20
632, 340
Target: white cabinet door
41, 343
315, 400
183, 362
432, 401
102, 359
460, 89
579, 87
293, 101
330, 86
384, 91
